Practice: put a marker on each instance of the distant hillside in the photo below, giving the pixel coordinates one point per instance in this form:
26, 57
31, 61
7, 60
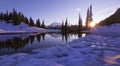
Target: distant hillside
115, 18
16, 18
54, 25
10, 28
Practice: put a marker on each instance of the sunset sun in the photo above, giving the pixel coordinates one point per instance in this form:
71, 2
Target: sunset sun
92, 24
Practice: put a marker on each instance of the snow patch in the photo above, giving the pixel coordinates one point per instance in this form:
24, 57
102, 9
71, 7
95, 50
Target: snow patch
115, 28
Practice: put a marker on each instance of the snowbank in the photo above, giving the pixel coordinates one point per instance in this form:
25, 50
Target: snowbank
115, 28
22, 28
9, 28
88, 51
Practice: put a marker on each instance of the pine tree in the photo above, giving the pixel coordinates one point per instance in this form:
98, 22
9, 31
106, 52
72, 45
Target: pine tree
80, 23
38, 24
21, 16
26, 20
66, 24
62, 24
1, 16
89, 17
62, 27
10, 16
43, 25
31, 22
15, 17
6, 16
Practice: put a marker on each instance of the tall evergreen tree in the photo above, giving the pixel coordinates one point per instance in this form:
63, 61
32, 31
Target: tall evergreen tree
38, 24
62, 27
80, 23
6, 16
89, 17
26, 20
10, 16
62, 24
15, 17
66, 25
31, 22
66, 22
43, 25
1, 16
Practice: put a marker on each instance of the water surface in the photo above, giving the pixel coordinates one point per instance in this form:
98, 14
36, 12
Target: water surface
15, 43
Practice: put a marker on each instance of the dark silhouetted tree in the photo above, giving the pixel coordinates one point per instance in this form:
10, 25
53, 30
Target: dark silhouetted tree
26, 20
38, 24
80, 23
1, 16
62, 24
43, 25
31, 22
66, 25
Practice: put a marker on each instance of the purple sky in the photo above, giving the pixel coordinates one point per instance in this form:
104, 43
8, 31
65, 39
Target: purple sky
58, 10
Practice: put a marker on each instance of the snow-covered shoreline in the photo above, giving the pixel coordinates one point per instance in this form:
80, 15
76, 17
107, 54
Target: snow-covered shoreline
85, 51
115, 28
64, 55
91, 50
8, 28
27, 32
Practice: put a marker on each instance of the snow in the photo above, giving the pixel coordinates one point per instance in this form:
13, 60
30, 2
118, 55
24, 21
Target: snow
55, 24
4, 27
115, 28
9, 28
91, 50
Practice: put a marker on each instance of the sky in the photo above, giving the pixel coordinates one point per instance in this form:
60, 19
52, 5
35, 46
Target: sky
57, 10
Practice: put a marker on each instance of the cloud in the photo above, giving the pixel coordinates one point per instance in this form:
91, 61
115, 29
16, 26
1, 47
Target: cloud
77, 9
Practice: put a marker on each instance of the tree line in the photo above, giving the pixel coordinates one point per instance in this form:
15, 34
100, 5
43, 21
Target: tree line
17, 18
72, 28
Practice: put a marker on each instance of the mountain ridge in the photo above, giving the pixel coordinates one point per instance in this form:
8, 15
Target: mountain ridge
114, 18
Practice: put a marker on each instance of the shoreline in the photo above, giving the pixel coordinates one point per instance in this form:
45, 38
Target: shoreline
29, 32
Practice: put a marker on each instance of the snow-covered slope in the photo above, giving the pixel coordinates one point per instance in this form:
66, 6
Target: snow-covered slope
55, 25
9, 27
112, 28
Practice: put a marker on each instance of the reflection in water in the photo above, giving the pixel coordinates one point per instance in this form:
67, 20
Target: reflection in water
21, 41
17, 42
66, 36
14, 43
83, 35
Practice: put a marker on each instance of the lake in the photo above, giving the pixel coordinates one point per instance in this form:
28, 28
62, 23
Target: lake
25, 43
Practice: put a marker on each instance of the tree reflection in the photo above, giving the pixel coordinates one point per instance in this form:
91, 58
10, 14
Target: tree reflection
20, 42
66, 35
43, 36
38, 38
14, 43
